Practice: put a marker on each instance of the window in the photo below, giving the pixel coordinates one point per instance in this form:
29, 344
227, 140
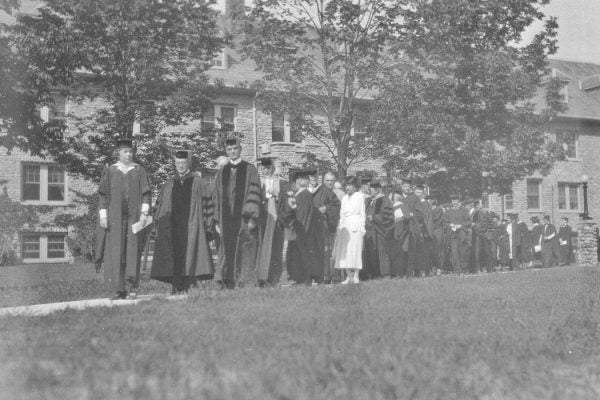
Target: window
282, 129
220, 117
30, 246
43, 183
359, 125
36, 247
568, 196
569, 143
56, 246
219, 61
508, 201
533, 194
55, 111
277, 127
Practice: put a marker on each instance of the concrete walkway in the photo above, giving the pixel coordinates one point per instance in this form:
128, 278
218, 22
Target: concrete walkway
37, 310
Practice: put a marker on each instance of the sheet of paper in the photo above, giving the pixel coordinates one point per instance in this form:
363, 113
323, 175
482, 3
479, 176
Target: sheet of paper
138, 226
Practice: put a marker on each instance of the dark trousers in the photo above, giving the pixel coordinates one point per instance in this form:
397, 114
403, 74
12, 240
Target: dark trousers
459, 250
398, 259
438, 250
565, 254
547, 254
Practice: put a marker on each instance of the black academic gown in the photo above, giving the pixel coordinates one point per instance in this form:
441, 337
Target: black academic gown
302, 252
379, 228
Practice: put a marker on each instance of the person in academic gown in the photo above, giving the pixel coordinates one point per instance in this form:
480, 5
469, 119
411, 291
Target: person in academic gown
514, 240
379, 229
421, 233
184, 224
526, 245
124, 199
564, 241
536, 240
274, 222
348, 246
398, 246
328, 205
438, 240
459, 222
237, 199
548, 239
302, 252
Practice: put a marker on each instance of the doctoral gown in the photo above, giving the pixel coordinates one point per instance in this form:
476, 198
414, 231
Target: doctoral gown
328, 221
184, 223
237, 200
378, 234
274, 222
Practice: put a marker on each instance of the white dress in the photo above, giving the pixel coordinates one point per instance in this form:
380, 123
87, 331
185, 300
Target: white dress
347, 250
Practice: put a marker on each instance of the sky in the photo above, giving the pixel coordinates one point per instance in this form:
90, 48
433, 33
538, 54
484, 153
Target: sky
578, 29
578, 32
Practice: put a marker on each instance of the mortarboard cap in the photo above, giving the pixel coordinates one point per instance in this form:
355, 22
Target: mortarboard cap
454, 196
182, 154
303, 173
375, 184
232, 141
124, 142
352, 180
265, 161
406, 180
535, 219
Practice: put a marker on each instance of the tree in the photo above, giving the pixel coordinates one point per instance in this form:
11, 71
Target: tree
459, 101
321, 59
13, 218
144, 58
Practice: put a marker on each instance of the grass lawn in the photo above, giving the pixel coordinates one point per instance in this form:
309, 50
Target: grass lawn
48, 283
525, 335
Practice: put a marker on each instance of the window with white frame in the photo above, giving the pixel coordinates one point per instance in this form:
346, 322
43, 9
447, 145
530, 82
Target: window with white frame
55, 111
45, 183
508, 201
359, 125
568, 196
569, 142
534, 196
282, 129
219, 117
219, 61
43, 247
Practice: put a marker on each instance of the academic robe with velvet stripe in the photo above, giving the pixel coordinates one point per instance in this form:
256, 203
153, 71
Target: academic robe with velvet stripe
379, 231
564, 237
237, 200
302, 252
122, 195
274, 222
325, 197
184, 224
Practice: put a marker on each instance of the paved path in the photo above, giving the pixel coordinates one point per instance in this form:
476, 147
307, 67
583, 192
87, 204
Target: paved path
49, 308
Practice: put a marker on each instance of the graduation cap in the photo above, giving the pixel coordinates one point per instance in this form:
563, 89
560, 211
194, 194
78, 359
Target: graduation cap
266, 161
365, 181
124, 142
232, 141
375, 184
183, 154
454, 196
303, 173
535, 219
512, 215
419, 186
352, 180
406, 180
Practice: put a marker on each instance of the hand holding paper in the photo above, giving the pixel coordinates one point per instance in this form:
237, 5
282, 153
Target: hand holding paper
141, 224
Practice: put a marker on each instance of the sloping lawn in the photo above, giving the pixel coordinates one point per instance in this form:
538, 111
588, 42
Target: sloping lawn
525, 335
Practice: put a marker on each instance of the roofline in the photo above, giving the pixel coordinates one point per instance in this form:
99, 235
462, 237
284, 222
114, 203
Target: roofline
578, 117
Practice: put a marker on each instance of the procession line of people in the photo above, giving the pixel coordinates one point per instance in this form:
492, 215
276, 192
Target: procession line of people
323, 233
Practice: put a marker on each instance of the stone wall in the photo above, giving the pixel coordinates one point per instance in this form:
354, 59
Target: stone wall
587, 243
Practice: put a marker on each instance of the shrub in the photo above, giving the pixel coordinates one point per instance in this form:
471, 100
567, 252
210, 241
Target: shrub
13, 217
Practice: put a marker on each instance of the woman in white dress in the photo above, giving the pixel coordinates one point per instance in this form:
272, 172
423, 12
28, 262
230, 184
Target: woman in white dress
347, 250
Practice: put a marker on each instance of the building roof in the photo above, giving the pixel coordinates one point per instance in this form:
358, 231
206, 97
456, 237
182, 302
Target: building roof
582, 88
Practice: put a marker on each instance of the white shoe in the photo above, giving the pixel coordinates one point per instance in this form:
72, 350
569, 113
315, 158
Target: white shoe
355, 280
346, 281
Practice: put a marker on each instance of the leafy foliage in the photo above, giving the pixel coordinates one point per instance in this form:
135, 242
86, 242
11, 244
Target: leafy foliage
459, 99
319, 58
141, 60
13, 217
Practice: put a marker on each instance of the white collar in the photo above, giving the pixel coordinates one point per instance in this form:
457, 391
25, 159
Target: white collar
235, 162
301, 190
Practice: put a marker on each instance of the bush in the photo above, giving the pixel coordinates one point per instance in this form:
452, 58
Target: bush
82, 233
13, 217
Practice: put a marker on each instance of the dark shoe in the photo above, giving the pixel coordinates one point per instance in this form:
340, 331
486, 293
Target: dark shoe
119, 296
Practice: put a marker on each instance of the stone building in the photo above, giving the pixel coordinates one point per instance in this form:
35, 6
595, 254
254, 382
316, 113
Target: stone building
560, 192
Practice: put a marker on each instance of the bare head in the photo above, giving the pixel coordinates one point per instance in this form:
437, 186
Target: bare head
329, 180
